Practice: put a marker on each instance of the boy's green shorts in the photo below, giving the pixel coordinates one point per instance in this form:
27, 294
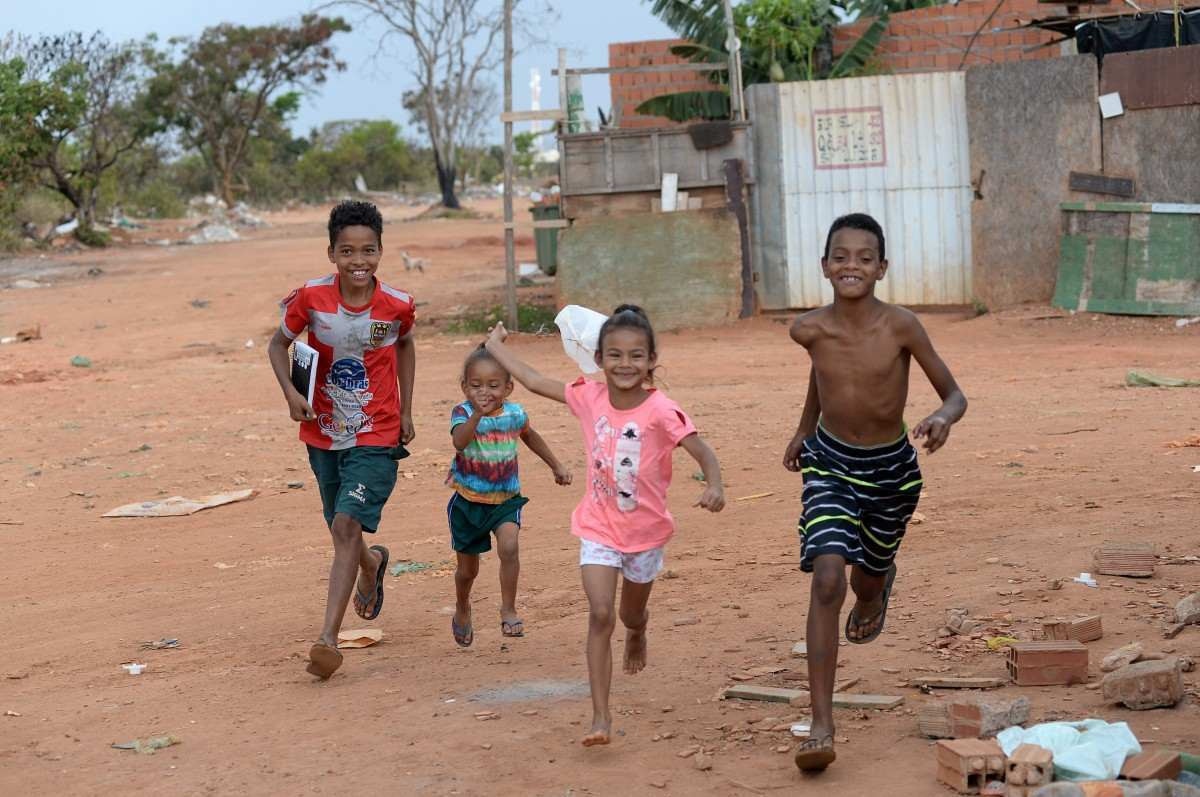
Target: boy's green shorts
354, 481
472, 524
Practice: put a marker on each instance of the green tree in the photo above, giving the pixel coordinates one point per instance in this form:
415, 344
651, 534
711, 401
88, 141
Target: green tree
96, 114
227, 87
344, 149
525, 151
22, 138
782, 40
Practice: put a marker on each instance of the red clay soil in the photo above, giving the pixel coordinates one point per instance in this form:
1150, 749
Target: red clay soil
1054, 457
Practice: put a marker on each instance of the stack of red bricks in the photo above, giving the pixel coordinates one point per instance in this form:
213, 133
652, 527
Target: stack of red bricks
629, 90
935, 39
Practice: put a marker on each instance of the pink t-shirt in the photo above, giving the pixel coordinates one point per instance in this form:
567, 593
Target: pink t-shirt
629, 468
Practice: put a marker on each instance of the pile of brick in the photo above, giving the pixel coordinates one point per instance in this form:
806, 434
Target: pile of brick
970, 762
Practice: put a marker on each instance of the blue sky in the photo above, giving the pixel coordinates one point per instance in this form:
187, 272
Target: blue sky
369, 88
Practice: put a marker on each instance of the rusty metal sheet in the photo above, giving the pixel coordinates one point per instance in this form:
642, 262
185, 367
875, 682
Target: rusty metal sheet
1157, 78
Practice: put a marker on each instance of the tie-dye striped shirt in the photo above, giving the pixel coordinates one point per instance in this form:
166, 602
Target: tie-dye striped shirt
486, 470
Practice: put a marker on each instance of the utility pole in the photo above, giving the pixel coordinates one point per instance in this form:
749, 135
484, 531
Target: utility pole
510, 264
735, 65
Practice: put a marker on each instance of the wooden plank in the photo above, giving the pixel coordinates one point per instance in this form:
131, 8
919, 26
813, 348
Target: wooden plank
774, 694
624, 203
609, 168
1101, 184
546, 115
551, 224
880, 702
648, 68
770, 694
959, 683
734, 173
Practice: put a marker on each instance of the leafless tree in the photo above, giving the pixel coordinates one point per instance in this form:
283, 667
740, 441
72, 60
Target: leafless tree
456, 44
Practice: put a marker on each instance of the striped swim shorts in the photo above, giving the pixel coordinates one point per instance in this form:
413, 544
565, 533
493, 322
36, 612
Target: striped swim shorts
857, 501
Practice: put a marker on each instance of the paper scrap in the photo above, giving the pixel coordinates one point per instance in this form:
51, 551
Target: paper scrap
359, 637
178, 506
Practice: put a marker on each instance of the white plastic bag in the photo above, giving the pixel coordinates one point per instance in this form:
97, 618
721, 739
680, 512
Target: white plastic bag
1085, 750
580, 328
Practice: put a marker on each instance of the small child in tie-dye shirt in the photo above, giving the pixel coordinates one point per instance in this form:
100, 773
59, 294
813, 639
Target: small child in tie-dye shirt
487, 491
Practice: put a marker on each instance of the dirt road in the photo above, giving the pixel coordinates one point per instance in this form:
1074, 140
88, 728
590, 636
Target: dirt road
1054, 456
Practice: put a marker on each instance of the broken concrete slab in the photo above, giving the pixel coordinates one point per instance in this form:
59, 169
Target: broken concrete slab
1122, 656
1187, 611
1145, 685
971, 716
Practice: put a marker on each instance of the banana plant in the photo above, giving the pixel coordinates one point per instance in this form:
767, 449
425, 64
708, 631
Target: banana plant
782, 40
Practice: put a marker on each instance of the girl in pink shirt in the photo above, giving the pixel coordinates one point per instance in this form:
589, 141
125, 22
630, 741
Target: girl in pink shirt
630, 431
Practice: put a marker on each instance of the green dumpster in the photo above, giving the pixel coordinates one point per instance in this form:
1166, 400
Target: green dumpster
546, 240
1138, 258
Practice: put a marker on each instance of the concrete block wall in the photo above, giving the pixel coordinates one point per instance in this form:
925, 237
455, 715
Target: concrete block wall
934, 39
684, 267
632, 89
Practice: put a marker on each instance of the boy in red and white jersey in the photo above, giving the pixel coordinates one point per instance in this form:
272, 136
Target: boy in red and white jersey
361, 413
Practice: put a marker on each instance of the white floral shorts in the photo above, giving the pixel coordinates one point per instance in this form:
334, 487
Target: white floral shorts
640, 567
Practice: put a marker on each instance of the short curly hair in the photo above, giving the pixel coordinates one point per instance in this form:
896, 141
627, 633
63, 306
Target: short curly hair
352, 213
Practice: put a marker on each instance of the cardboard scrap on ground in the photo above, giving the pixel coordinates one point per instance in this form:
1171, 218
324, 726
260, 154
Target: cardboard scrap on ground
1143, 379
359, 637
148, 746
178, 506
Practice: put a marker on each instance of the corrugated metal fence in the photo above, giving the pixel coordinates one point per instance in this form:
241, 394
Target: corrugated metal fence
891, 146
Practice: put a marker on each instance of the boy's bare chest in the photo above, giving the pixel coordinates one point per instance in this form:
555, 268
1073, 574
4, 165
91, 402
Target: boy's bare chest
863, 359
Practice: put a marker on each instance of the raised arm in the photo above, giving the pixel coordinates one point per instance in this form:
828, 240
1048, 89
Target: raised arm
523, 373
406, 372
713, 497
936, 428
538, 445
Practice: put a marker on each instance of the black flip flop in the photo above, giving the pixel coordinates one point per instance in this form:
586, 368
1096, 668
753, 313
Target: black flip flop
383, 563
887, 596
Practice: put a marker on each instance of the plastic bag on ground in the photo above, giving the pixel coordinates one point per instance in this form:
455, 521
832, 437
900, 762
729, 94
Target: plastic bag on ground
1085, 750
580, 328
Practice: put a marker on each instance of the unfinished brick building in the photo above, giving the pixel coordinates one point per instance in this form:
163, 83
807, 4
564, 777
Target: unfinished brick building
631, 90
937, 38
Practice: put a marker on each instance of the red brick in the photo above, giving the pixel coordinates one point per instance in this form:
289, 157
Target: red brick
966, 764
1153, 765
1047, 663
1029, 768
1081, 629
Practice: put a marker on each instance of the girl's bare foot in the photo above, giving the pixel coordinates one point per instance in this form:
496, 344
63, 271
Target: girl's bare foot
635, 650
599, 733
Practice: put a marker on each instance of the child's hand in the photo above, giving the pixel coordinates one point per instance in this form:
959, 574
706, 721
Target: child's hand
407, 430
791, 457
935, 429
498, 333
562, 475
483, 404
713, 498
298, 407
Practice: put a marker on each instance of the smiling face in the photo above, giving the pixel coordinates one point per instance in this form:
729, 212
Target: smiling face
356, 254
486, 385
853, 265
626, 358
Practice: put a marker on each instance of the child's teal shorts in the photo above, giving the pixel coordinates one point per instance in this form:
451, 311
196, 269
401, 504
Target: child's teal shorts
354, 481
472, 523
